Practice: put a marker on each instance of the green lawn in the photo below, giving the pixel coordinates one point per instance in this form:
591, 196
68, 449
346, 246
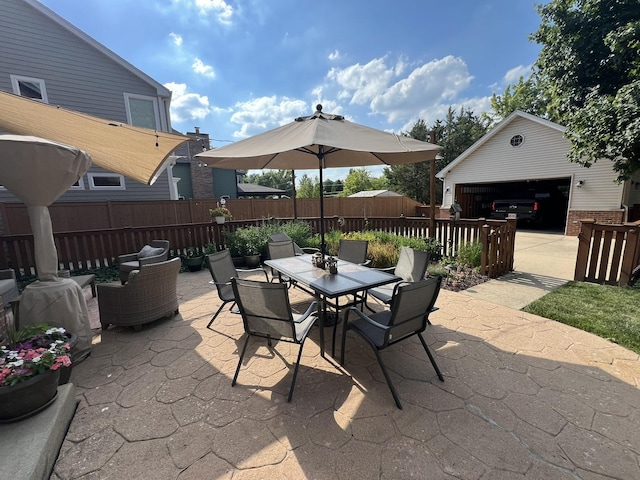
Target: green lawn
609, 312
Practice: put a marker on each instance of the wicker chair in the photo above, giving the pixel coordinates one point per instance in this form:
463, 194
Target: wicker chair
151, 253
150, 294
8, 287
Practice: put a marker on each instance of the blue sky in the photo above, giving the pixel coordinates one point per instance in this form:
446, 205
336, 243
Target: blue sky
237, 68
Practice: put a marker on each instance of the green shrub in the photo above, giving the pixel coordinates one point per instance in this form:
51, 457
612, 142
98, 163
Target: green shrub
470, 253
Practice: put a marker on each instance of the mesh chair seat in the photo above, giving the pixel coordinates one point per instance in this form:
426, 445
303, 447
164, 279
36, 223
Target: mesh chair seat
411, 267
266, 312
222, 270
409, 315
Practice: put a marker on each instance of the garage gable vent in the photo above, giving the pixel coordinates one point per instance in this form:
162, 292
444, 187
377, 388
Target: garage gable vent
516, 140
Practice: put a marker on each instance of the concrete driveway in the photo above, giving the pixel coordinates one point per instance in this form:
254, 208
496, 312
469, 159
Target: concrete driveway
542, 263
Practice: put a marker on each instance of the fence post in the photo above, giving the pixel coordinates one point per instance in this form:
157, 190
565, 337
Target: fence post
584, 244
484, 258
629, 257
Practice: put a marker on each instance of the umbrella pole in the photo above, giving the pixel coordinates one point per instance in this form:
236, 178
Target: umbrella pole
323, 245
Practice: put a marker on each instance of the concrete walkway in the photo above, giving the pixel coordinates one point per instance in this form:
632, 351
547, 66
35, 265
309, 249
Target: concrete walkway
542, 263
523, 398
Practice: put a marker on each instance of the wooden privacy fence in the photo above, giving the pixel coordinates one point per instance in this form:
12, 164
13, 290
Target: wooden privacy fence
100, 247
79, 216
498, 246
607, 253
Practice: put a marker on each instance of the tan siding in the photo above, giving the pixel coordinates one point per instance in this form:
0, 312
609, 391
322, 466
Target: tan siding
541, 156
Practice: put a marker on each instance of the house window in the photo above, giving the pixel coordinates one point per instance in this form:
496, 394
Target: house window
105, 181
29, 87
516, 140
79, 185
142, 111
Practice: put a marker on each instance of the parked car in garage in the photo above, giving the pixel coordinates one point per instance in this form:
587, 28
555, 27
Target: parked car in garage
526, 210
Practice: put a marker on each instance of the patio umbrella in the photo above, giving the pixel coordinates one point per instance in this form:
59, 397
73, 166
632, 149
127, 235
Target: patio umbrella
38, 171
320, 141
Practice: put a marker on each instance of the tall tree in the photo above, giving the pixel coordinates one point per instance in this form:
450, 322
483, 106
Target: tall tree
357, 180
529, 96
590, 62
272, 178
309, 187
455, 134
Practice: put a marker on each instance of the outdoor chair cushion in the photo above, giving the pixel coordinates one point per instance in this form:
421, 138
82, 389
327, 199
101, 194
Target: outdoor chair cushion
149, 251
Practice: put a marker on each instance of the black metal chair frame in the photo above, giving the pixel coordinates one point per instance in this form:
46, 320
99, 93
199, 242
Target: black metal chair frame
416, 321
271, 325
222, 283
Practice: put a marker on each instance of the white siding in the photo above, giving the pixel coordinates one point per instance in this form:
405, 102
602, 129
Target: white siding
541, 156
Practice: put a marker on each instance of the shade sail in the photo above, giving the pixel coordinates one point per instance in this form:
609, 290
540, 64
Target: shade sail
320, 141
137, 153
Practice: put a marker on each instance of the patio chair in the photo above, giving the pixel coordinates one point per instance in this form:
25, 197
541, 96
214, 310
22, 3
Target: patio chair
354, 251
266, 312
411, 267
281, 249
8, 287
409, 314
149, 294
222, 270
156, 251
280, 237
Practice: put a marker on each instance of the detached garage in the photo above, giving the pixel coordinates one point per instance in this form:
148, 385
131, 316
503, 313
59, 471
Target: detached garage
524, 158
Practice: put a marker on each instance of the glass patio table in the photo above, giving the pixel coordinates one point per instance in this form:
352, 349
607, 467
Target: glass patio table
350, 279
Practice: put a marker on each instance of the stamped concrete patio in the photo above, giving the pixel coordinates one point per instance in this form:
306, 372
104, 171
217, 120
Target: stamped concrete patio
523, 398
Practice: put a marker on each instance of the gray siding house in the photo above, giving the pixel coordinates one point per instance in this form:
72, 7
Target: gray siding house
44, 57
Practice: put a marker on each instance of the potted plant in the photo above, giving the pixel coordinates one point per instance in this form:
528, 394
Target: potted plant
251, 245
31, 364
192, 259
220, 214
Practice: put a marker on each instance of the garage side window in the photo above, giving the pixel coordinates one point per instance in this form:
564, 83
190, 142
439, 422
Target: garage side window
516, 140
105, 181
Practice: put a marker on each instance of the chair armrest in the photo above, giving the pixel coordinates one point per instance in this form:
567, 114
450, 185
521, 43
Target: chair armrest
7, 274
387, 269
310, 310
364, 317
130, 257
365, 263
248, 271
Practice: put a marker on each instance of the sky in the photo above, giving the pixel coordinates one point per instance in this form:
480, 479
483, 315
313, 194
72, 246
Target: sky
240, 67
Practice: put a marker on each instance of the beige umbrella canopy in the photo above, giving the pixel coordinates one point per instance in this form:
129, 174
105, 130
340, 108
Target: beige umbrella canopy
320, 141
137, 153
38, 171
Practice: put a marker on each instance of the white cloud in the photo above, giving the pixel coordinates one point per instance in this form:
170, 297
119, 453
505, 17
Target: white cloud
265, 113
205, 70
222, 10
177, 39
187, 106
362, 82
335, 55
513, 75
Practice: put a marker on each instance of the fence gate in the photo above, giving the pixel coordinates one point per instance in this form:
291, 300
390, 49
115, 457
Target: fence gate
498, 244
608, 254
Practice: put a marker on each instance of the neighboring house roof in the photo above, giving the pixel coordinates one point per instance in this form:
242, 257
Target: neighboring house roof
257, 190
375, 193
161, 89
495, 130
